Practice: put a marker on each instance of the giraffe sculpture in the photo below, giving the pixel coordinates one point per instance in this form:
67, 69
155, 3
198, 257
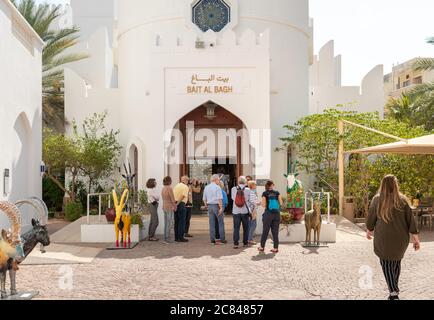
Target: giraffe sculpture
123, 219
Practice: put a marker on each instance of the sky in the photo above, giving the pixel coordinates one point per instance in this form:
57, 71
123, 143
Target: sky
370, 32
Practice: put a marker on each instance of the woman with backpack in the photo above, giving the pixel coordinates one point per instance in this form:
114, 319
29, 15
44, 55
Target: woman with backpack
271, 202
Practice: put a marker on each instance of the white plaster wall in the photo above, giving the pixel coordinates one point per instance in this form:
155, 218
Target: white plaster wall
270, 47
20, 114
326, 90
92, 15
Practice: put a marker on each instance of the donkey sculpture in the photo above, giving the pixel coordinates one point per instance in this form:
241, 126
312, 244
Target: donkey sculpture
38, 234
123, 219
313, 221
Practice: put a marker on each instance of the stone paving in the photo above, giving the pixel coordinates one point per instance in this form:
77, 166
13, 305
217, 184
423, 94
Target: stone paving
197, 270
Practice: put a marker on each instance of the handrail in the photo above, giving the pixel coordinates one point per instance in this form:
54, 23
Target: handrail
99, 195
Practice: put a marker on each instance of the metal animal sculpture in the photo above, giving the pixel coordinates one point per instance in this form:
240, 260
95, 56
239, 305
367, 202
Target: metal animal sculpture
313, 221
41, 209
294, 191
123, 219
129, 177
15, 247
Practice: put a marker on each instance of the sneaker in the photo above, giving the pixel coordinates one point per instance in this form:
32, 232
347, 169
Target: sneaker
245, 245
236, 246
223, 242
184, 240
218, 242
252, 243
393, 297
187, 235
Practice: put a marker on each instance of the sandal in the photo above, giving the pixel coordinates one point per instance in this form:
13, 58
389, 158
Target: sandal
153, 239
261, 249
274, 250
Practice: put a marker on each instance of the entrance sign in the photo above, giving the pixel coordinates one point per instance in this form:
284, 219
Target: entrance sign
212, 84
210, 81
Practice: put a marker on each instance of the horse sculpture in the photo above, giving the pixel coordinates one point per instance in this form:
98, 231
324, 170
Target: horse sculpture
123, 219
14, 249
313, 221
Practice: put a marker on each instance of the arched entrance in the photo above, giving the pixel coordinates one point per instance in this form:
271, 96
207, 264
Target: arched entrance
211, 140
21, 173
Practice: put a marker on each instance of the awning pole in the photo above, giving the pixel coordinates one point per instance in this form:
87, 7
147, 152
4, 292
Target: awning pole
341, 165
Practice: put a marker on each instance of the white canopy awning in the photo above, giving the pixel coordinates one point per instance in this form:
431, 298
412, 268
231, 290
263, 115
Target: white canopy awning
421, 145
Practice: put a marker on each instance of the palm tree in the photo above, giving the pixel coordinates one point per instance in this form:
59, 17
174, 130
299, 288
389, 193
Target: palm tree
401, 109
57, 41
425, 64
416, 106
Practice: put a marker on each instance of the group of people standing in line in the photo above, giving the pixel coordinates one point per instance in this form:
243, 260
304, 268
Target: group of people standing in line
390, 221
177, 207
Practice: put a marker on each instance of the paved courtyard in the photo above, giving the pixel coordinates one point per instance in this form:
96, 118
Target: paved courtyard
197, 270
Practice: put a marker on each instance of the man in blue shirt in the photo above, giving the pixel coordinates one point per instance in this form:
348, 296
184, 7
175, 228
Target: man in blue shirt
213, 199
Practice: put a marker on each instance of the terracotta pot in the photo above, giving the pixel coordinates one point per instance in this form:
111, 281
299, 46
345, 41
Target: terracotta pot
297, 213
110, 215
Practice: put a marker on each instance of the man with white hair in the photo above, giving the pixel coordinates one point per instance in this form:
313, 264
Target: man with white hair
241, 211
213, 199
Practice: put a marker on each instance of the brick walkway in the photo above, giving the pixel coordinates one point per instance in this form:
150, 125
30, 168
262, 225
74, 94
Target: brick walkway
199, 271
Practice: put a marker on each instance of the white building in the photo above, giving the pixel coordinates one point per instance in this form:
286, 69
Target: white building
158, 66
20, 110
326, 90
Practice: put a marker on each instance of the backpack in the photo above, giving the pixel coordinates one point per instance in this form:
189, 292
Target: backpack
240, 198
273, 202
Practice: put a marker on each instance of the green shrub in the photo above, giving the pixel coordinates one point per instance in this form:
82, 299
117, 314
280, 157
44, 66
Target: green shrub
137, 219
52, 194
73, 211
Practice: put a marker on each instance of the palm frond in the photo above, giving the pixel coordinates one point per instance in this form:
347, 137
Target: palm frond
424, 64
41, 18
421, 89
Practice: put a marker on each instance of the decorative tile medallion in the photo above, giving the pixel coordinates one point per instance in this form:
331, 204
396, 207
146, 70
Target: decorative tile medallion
211, 14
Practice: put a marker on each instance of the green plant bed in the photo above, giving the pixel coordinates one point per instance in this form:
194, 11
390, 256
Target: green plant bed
73, 211
137, 219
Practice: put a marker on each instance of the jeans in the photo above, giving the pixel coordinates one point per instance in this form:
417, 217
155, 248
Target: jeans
252, 229
154, 220
187, 219
180, 215
270, 221
238, 220
213, 214
168, 224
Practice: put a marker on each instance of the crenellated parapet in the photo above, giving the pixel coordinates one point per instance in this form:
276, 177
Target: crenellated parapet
211, 39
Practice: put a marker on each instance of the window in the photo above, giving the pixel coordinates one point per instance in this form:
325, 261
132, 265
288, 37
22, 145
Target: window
211, 14
418, 80
406, 83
